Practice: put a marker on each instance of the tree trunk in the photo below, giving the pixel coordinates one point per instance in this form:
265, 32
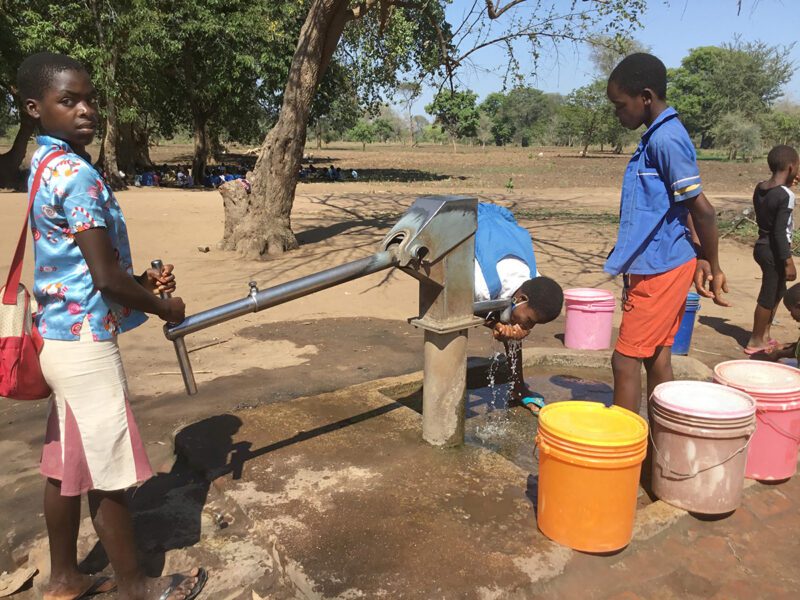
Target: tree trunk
363, 146
201, 148
108, 154
109, 159
216, 147
265, 227
319, 135
133, 148
11, 161
454, 144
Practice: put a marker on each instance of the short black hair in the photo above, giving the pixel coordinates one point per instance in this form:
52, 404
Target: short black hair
781, 158
638, 71
36, 72
792, 296
545, 296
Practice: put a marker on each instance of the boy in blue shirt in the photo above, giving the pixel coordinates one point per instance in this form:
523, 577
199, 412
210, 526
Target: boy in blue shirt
667, 233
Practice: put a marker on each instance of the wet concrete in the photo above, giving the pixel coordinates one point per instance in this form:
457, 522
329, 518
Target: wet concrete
360, 506
511, 432
337, 495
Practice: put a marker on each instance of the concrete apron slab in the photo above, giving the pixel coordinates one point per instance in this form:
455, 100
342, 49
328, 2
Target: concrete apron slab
348, 500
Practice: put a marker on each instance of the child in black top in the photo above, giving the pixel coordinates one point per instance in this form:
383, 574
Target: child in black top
773, 202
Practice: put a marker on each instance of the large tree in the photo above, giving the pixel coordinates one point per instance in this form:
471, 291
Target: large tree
11, 53
741, 78
585, 114
456, 113
222, 64
384, 39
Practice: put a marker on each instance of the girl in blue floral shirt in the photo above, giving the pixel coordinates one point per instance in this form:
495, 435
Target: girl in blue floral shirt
87, 295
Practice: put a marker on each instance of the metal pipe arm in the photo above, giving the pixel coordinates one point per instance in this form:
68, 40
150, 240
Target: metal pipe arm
284, 292
481, 309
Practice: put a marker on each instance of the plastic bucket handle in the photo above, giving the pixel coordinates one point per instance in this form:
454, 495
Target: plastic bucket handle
663, 462
764, 414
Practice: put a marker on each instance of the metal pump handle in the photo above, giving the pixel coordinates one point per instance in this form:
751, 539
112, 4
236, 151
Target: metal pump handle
180, 346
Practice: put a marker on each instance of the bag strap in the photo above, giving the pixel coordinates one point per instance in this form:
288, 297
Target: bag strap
15, 272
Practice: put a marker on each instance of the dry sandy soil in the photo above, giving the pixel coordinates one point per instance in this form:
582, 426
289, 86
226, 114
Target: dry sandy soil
356, 331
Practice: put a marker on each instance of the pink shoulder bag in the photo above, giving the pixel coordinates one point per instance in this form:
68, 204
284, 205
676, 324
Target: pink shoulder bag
20, 343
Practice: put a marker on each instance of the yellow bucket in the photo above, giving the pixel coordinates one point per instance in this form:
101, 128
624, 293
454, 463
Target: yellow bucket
590, 458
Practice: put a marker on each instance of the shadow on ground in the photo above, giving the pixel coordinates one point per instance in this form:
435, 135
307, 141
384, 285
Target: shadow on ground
373, 175
724, 327
168, 508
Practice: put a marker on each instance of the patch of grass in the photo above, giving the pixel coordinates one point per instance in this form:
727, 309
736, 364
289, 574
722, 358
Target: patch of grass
746, 231
545, 214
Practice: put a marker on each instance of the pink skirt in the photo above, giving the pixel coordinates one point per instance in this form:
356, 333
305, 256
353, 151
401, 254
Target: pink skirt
92, 441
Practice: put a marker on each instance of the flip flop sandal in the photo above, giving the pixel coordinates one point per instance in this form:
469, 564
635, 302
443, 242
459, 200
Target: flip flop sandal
533, 403
100, 585
752, 351
177, 580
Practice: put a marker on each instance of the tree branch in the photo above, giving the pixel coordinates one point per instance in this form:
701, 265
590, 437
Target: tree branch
494, 12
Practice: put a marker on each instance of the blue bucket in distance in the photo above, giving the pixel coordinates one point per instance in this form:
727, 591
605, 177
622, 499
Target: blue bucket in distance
683, 339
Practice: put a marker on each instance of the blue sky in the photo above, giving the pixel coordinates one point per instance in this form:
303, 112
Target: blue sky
670, 28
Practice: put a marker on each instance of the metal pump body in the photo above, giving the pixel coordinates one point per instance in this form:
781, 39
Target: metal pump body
434, 241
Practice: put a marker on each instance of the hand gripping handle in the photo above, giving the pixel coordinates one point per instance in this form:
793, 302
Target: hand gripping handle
180, 346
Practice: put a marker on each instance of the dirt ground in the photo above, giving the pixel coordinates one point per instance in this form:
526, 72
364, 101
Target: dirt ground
472, 168
357, 331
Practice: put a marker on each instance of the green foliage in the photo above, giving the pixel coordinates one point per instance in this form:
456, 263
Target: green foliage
521, 116
363, 132
227, 61
740, 77
382, 49
336, 106
419, 124
738, 134
432, 134
782, 126
607, 50
588, 117
8, 114
384, 130
484, 133
176, 61
456, 113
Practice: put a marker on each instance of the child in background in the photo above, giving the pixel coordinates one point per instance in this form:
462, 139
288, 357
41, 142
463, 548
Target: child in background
662, 206
791, 300
773, 203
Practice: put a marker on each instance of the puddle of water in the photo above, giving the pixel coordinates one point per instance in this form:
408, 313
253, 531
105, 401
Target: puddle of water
511, 433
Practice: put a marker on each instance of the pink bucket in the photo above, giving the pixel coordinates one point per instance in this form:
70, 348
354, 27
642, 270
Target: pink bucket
776, 388
700, 434
589, 318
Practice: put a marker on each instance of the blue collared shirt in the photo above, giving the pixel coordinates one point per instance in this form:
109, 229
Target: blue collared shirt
73, 198
653, 236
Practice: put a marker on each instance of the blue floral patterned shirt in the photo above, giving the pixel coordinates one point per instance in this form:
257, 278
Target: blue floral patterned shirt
72, 198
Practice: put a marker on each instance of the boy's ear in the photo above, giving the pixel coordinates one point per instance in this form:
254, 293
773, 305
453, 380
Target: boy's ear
32, 108
647, 96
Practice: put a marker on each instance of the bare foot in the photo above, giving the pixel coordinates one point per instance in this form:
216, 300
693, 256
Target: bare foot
78, 585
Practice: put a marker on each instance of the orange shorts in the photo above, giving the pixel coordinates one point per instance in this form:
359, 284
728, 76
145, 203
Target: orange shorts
652, 309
